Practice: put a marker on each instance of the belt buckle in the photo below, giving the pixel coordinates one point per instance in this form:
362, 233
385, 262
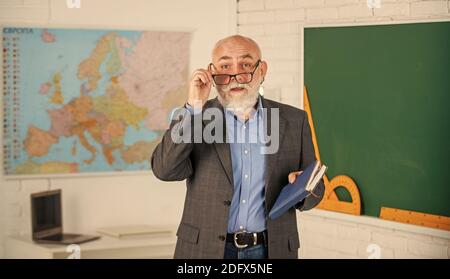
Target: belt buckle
235, 238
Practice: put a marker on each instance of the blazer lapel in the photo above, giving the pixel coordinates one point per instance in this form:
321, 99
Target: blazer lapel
222, 149
271, 159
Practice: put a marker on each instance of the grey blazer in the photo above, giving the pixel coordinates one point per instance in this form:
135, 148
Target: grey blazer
209, 176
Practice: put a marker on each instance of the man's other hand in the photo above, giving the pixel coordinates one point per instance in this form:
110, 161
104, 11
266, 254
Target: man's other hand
293, 175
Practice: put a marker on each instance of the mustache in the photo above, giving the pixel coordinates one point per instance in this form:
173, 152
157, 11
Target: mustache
233, 85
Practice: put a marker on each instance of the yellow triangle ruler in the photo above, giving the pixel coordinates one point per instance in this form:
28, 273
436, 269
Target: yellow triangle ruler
330, 200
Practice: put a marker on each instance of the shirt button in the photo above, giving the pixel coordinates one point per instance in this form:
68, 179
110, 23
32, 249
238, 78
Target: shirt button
241, 227
228, 203
244, 127
246, 176
243, 201
245, 151
222, 238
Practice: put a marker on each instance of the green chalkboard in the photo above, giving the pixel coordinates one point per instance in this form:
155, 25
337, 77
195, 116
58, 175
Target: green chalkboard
380, 100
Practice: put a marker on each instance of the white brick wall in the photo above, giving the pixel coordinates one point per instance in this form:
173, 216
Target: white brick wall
321, 13
325, 234
309, 3
429, 8
270, 22
30, 10
354, 11
397, 9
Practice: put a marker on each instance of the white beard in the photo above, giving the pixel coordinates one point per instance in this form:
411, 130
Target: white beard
238, 103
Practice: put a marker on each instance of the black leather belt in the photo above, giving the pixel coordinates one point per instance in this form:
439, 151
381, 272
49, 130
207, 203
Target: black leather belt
245, 239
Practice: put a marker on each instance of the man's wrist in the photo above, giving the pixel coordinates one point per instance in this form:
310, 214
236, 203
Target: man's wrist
196, 104
193, 110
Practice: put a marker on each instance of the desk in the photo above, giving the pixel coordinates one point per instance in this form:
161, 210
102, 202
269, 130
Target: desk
153, 247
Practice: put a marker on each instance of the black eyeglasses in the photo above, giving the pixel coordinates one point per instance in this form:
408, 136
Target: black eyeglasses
242, 78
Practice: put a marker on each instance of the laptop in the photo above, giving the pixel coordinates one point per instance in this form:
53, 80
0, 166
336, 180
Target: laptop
46, 216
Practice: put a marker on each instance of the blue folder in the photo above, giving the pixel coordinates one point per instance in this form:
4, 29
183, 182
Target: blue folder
291, 194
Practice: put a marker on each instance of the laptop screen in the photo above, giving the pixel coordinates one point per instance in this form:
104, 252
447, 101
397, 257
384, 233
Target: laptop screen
46, 211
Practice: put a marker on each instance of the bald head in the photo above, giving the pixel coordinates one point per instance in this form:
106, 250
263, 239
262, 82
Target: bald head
236, 44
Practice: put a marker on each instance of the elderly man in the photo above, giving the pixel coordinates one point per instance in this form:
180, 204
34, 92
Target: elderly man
232, 183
